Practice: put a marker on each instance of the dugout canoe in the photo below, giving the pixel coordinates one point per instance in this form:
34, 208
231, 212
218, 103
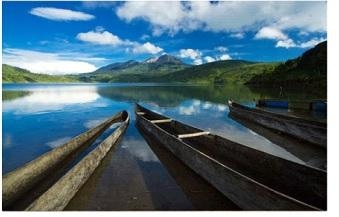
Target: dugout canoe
312, 131
312, 105
16, 183
58, 196
252, 179
312, 155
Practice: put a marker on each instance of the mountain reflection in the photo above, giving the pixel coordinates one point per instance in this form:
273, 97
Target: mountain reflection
171, 96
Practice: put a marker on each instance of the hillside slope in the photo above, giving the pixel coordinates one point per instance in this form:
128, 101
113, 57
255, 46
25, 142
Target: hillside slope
11, 74
124, 70
220, 72
308, 70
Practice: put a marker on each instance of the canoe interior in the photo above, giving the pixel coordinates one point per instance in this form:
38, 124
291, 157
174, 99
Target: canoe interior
302, 182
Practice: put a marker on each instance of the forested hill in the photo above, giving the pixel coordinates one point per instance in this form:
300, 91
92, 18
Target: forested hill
11, 74
308, 70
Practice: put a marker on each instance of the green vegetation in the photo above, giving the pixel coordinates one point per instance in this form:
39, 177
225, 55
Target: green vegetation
133, 71
221, 72
11, 74
10, 95
307, 71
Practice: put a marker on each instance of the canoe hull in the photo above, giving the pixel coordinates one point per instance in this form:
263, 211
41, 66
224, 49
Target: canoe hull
245, 192
58, 196
312, 132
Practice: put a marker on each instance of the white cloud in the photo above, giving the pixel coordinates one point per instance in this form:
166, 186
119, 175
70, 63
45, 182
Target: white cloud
239, 35
209, 59
160, 14
197, 56
221, 49
189, 53
288, 43
311, 43
192, 54
225, 57
283, 40
100, 37
172, 17
146, 48
270, 33
47, 63
58, 14
197, 62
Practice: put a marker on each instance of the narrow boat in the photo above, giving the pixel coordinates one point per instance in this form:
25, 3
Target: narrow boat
313, 105
252, 179
312, 155
312, 131
58, 196
17, 183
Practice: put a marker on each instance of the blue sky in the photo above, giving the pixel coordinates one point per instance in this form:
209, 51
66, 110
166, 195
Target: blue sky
76, 37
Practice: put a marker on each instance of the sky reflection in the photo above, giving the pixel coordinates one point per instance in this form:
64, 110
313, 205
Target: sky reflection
52, 99
50, 115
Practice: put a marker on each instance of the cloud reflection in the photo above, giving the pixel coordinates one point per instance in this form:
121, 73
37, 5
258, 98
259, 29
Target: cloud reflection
51, 99
194, 107
93, 123
58, 142
7, 140
139, 150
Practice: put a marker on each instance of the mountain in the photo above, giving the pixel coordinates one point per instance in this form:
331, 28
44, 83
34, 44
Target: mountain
118, 66
11, 74
123, 71
307, 70
219, 72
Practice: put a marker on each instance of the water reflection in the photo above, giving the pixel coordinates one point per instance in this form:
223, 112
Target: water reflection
141, 153
39, 117
10, 95
172, 96
50, 99
58, 142
194, 107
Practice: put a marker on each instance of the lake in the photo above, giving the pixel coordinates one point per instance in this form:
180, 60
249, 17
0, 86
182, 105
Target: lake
135, 175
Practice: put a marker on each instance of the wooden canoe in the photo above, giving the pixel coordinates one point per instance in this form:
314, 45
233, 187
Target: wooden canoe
252, 179
313, 105
312, 155
58, 196
16, 183
312, 131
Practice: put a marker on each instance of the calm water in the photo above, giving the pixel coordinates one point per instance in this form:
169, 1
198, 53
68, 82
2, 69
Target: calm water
135, 175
